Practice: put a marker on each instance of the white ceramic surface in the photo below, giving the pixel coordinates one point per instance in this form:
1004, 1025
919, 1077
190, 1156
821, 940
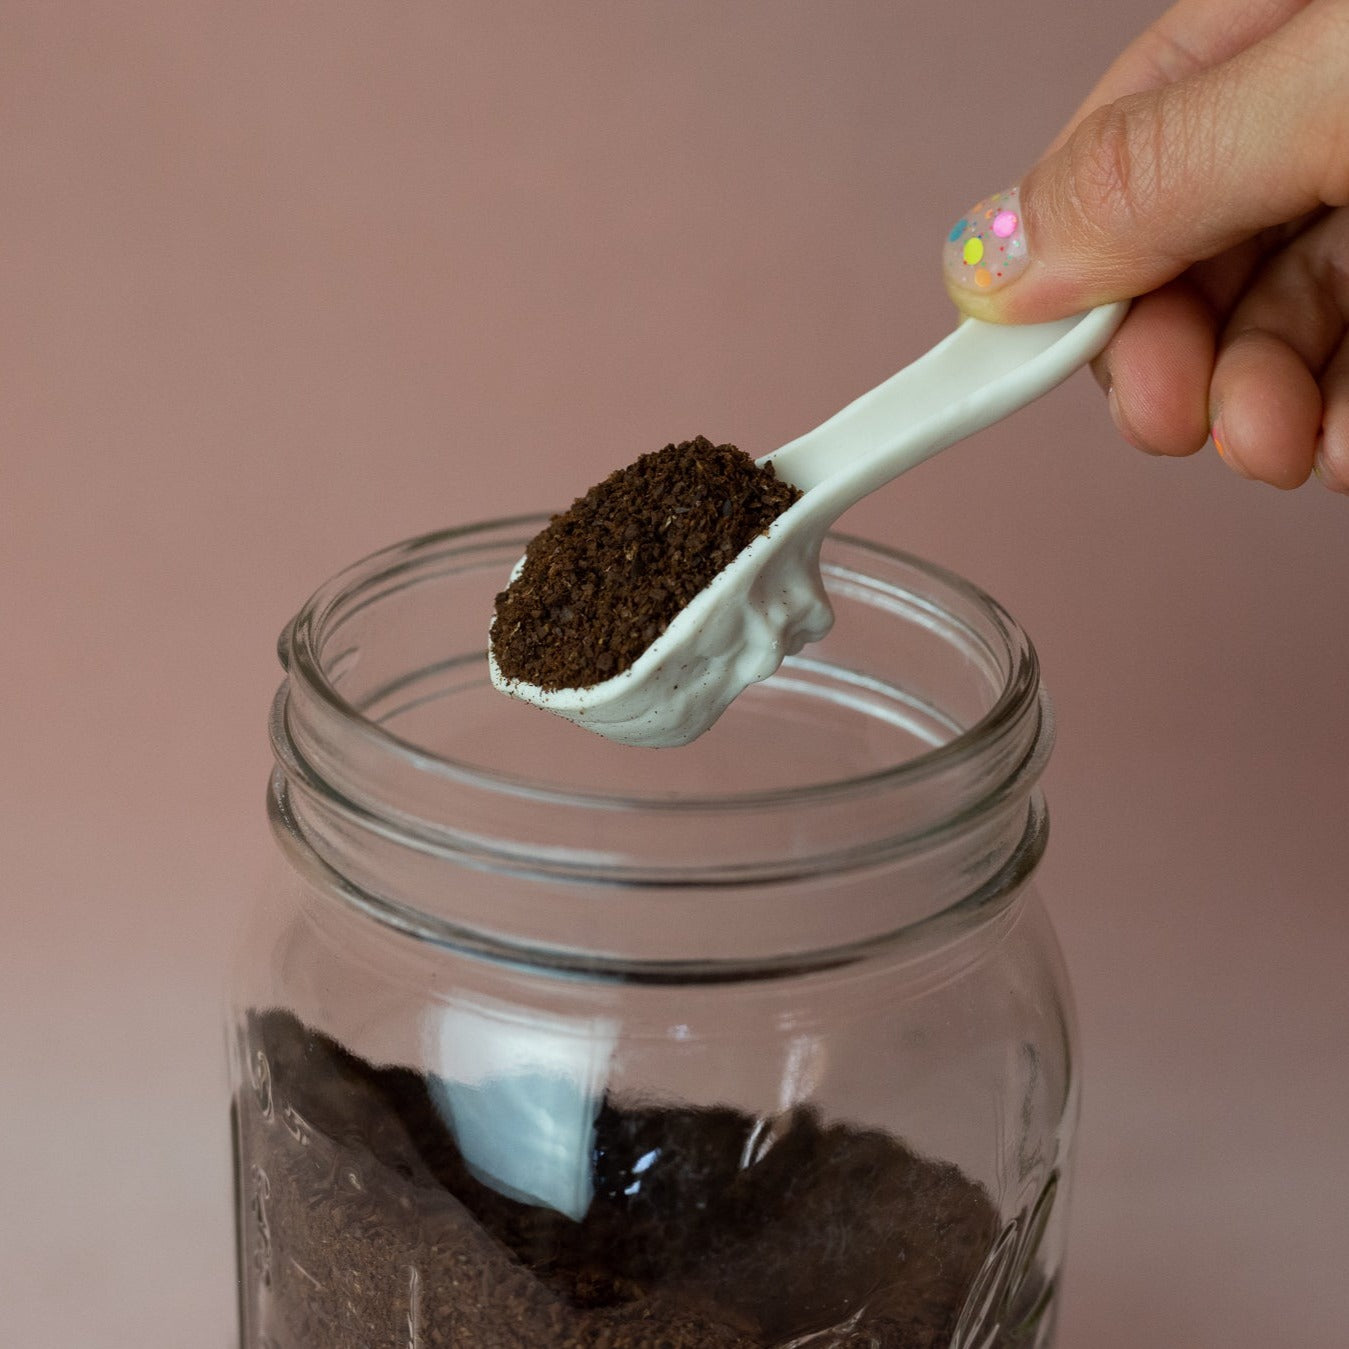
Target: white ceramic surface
770, 601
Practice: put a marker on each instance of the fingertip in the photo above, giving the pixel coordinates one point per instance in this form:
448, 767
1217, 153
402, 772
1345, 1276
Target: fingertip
1269, 416
1326, 467
992, 272
987, 308
1158, 368
1219, 437
1330, 463
1100, 372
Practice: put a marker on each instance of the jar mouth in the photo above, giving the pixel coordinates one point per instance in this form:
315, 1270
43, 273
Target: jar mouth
882, 778
303, 652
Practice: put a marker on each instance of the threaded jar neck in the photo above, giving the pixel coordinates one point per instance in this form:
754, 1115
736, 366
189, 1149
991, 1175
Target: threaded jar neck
884, 778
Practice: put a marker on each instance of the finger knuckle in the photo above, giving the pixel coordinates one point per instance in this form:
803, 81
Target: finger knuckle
1106, 167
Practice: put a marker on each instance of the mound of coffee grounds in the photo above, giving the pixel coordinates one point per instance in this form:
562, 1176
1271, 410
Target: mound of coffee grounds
604, 579
361, 1227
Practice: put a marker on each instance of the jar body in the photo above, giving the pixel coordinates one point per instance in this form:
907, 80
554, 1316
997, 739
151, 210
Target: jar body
504, 1082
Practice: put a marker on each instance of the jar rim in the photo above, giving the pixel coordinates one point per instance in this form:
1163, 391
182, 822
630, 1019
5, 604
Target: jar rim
300, 642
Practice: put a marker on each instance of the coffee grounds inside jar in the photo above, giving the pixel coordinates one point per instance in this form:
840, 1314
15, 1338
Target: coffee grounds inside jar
361, 1226
605, 578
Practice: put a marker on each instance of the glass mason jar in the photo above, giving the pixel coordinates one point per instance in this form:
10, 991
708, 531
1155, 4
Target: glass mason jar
542, 1041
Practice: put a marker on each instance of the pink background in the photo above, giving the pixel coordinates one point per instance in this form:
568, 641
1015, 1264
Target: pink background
281, 283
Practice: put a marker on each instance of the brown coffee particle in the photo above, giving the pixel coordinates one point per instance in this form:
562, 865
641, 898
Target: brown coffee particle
361, 1226
604, 579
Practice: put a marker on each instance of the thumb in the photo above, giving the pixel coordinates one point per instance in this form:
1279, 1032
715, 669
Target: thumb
1154, 182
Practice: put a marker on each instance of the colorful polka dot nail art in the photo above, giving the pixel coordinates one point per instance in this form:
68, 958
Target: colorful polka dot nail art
986, 248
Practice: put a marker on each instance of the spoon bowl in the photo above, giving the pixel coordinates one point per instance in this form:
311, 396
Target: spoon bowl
770, 600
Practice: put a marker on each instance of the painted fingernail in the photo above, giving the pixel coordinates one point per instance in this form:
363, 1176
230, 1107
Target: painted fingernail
1327, 476
1112, 402
1121, 420
986, 248
1220, 444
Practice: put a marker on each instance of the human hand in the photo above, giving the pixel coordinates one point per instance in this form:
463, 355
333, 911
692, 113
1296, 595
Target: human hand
1208, 175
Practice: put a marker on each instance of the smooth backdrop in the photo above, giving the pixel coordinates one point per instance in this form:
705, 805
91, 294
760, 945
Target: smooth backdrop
282, 282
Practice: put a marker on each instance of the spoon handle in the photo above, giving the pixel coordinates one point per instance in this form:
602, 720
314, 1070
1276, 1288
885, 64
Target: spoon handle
979, 374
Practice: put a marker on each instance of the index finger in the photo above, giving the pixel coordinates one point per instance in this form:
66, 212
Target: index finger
1192, 36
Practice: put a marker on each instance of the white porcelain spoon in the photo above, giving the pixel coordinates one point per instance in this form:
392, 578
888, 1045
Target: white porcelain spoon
770, 601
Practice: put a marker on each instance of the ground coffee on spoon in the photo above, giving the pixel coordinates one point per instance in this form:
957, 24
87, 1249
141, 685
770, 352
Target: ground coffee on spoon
606, 577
